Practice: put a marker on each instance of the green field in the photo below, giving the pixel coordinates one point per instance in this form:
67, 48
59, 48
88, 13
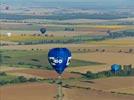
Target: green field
7, 77
12, 79
34, 59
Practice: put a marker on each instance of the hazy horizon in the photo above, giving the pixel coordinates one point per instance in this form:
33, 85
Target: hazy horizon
110, 4
69, 1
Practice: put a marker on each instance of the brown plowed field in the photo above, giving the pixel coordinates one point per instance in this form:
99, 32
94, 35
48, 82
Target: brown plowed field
36, 91
44, 91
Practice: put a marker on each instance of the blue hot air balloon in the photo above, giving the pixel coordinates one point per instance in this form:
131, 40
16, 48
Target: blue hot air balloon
59, 58
115, 68
43, 30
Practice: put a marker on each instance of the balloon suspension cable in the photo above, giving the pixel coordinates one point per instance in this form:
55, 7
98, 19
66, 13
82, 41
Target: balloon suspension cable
60, 93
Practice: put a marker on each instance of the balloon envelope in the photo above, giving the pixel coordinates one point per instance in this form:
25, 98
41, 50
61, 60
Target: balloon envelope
59, 58
115, 68
43, 30
9, 34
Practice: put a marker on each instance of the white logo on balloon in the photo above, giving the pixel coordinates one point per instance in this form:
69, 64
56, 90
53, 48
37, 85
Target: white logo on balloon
55, 61
68, 60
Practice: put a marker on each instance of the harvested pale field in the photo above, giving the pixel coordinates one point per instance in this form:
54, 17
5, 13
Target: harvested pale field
18, 31
78, 32
83, 21
5, 68
49, 26
54, 33
129, 90
70, 46
46, 74
107, 57
46, 46
122, 41
94, 69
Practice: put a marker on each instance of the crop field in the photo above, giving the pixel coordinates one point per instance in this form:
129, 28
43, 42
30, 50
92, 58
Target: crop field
59, 28
20, 38
94, 69
5, 68
43, 74
38, 90
8, 77
94, 95
125, 85
34, 59
91, 61
107, 84
110, 58
112, 45
34, 91
123, 41
95, 44
125, 90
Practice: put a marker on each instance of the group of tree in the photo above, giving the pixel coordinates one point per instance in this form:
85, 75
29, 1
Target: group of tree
47, 42
19, 79
120, 34
69, 29
3, 74
63, 16
126, 71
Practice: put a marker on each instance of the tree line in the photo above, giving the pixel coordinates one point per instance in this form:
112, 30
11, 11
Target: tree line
126, 71
18, 79
120, 34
